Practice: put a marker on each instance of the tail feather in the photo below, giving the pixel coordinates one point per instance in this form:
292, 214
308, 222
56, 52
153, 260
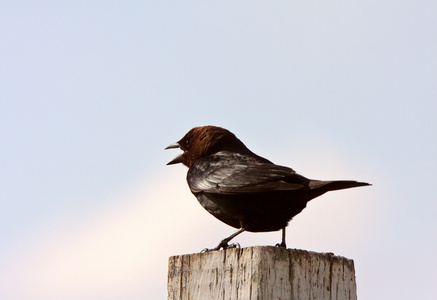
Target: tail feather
335, 185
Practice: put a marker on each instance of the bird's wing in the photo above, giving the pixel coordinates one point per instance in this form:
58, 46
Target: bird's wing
239, 177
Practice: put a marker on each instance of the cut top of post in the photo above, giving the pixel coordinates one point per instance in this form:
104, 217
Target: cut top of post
261, 272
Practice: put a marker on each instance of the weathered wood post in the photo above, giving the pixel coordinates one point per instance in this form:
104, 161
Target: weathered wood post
261, 273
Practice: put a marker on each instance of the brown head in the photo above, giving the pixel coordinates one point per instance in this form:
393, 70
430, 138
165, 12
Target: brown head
206, 140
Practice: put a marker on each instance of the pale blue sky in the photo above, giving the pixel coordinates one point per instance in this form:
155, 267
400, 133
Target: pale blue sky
92, 92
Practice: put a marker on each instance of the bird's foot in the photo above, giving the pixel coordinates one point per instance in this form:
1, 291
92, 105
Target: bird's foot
234, 245
223, 245
220, 246
281, 245
215, 249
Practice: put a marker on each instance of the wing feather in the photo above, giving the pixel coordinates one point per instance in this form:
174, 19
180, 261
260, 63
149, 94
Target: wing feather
234, 174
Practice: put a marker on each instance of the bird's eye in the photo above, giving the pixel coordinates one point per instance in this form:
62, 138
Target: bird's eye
187, 143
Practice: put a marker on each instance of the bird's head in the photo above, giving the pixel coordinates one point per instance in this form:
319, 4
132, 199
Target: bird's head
202, 141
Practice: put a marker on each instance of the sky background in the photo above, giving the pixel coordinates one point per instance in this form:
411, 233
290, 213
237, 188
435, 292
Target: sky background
92, 92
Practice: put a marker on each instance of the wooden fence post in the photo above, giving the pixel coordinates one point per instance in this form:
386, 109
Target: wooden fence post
261, 273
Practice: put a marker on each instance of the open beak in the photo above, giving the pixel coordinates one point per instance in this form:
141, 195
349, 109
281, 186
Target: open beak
178, 159
172, 146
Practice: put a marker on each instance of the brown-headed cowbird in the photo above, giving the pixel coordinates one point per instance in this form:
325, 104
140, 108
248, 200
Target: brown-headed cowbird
242, 189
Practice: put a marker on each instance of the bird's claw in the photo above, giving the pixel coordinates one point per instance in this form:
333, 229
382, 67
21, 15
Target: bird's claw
281, 245
234, 245
213, 249
223, 246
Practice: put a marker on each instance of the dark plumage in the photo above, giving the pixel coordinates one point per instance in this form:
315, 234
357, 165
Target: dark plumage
242, 189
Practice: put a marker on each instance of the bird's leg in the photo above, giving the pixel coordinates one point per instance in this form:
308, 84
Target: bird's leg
282, 244
224, 243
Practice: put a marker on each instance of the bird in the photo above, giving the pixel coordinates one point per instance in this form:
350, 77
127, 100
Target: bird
242, 189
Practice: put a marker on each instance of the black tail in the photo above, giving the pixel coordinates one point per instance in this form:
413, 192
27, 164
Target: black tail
335, 185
